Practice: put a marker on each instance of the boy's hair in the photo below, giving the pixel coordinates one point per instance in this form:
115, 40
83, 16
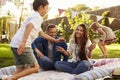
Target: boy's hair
37, 3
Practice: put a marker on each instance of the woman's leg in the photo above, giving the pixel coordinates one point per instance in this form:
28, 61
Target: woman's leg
81, 67
65, 66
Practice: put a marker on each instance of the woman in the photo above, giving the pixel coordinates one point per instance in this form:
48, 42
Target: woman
80, 47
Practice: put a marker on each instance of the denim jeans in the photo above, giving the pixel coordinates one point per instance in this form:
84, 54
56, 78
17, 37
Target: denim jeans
45, 62
73, 67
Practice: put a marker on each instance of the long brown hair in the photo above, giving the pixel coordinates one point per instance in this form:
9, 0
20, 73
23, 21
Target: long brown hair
83, 41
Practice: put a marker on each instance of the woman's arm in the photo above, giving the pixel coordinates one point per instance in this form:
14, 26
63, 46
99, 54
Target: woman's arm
62, 50
92, 46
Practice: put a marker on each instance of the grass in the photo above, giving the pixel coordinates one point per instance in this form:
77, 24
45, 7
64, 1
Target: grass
113, 51
6, 56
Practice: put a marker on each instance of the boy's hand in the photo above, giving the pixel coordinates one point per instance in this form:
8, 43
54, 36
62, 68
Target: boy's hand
60, 40
21, 49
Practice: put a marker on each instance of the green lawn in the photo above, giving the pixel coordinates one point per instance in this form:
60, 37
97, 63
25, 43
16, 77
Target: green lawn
113, 51
6, 56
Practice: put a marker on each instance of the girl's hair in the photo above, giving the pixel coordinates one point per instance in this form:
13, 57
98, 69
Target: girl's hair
95, 25
83, 41
38, 3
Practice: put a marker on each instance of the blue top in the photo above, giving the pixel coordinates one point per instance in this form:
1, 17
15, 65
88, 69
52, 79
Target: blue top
42, 44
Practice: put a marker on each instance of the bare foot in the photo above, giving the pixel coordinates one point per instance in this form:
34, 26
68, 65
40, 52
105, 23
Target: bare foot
103, 56
9, 78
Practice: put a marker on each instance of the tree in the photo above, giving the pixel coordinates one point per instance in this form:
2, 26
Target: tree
74, 20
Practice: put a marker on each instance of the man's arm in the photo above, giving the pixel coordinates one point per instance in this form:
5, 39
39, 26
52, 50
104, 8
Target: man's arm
37, 46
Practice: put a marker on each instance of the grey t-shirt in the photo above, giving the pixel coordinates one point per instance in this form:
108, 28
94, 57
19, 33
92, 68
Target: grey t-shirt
50, 51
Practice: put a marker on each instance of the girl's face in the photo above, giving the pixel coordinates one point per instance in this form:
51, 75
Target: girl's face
94, 29
79, 32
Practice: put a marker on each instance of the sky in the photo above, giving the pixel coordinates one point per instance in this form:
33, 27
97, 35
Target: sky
64, 4
90, 3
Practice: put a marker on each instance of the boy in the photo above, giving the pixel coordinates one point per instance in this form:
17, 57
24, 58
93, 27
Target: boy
21, 43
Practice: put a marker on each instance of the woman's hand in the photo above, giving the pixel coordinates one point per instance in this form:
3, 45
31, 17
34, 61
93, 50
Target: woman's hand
92, 46
60, 49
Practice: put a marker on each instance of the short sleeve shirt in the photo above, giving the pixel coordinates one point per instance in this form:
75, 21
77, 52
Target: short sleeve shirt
36, 20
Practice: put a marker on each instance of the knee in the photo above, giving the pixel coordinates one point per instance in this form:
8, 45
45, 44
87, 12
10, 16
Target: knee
36, 68
86, 64
57, 64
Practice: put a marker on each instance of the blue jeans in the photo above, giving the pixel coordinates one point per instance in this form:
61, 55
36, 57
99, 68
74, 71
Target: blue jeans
73, 67
45, 62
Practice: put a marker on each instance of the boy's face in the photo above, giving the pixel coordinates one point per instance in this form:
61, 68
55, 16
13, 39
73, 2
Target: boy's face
43, 10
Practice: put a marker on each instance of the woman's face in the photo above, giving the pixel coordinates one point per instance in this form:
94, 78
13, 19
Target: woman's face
79, 32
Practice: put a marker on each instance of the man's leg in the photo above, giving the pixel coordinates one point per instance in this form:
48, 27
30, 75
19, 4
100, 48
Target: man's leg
46, 63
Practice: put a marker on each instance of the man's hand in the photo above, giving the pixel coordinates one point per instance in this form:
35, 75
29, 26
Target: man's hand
39, 53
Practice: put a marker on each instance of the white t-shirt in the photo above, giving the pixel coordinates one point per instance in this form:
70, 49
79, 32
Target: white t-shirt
36, 20
73, 49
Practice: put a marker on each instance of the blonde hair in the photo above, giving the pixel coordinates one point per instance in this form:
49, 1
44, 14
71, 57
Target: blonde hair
95, 25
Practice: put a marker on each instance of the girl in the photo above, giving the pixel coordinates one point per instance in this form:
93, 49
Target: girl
107, 36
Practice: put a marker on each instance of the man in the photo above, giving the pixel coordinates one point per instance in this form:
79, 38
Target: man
45, 51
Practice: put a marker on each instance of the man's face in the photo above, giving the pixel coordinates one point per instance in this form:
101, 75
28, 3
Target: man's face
52, 32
